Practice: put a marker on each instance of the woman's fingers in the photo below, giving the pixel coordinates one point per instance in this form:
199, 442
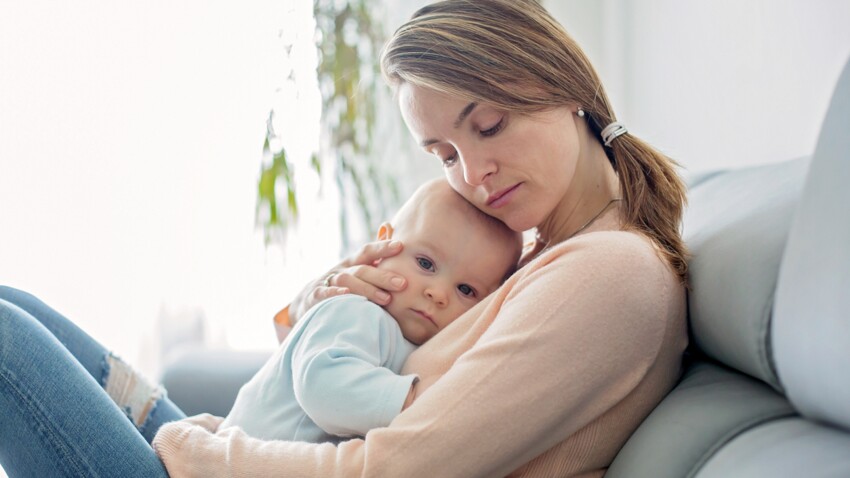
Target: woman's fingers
322, 293
355, 275
370, 282
373, 252
362, 278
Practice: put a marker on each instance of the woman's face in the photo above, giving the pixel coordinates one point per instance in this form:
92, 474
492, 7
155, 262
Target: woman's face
517, 168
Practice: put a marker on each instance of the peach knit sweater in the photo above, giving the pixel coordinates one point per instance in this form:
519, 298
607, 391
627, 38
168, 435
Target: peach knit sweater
548, 376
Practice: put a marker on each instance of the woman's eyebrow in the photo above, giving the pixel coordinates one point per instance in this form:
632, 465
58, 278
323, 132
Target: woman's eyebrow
462, 116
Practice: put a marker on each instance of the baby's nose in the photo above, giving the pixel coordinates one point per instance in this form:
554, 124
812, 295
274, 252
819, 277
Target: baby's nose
437, 295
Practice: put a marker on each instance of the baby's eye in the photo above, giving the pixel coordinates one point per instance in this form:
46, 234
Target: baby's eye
425, 263
466, 290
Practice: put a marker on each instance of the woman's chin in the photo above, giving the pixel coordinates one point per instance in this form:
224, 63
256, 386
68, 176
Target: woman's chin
518, 222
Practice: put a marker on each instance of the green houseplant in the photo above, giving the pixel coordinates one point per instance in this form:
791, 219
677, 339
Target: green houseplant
348, 40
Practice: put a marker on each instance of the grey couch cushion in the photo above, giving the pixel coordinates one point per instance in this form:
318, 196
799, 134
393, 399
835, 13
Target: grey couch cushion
203, 380
793, 448
709, 407
812, 322
736, 227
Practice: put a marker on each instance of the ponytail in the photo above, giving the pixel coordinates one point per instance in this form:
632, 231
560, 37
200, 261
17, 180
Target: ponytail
654, 197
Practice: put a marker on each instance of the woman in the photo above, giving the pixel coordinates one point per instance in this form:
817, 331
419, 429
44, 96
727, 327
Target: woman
549, 375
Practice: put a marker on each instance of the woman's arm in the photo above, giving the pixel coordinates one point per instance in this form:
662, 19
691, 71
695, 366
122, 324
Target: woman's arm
354, 275
572, 339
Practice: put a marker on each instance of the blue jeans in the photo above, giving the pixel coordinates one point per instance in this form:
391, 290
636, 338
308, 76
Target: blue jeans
56, 419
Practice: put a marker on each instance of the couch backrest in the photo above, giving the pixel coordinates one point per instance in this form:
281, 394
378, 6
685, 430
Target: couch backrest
769, 392
811, 329
736, 227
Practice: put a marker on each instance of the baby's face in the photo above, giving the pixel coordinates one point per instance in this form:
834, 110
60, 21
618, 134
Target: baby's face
450, 263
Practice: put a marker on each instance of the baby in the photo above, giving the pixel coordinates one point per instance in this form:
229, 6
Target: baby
337, 373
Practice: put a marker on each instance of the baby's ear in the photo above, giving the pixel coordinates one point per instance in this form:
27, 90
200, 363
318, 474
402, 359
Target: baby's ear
385, 232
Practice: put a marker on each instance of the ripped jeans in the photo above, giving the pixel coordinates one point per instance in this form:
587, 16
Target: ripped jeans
60, 392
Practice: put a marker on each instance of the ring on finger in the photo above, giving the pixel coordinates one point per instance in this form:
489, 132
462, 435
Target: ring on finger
327, 281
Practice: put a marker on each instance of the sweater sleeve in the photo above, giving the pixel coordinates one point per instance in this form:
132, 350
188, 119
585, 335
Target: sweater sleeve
573, 337
339, 372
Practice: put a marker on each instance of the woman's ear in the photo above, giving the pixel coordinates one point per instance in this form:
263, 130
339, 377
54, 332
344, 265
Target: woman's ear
385, 232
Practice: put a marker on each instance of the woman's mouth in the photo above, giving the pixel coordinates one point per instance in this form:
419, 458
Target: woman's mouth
500, 198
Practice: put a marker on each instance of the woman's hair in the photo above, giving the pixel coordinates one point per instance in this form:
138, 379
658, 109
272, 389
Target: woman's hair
513, 55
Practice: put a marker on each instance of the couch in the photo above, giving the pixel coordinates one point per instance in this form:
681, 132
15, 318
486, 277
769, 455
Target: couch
766, 388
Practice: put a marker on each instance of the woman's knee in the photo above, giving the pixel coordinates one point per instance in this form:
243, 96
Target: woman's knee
16, 296
21, 335
25, 301
12, 320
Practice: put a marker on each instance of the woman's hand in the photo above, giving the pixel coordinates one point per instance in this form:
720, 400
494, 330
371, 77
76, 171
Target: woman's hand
354, 275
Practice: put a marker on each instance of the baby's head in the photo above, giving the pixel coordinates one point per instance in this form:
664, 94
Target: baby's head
454, 255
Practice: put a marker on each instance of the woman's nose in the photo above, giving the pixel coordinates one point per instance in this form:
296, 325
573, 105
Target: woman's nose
437, 295
476, 168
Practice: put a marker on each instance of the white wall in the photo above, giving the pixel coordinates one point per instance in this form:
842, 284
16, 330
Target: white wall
130, 144
725, 83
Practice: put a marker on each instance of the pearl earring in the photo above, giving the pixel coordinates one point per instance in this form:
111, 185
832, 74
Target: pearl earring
580, 113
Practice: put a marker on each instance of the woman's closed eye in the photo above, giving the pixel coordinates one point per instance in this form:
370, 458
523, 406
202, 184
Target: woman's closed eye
451, 160
493, 130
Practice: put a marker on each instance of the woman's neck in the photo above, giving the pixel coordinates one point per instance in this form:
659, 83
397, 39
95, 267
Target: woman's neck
594, 186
